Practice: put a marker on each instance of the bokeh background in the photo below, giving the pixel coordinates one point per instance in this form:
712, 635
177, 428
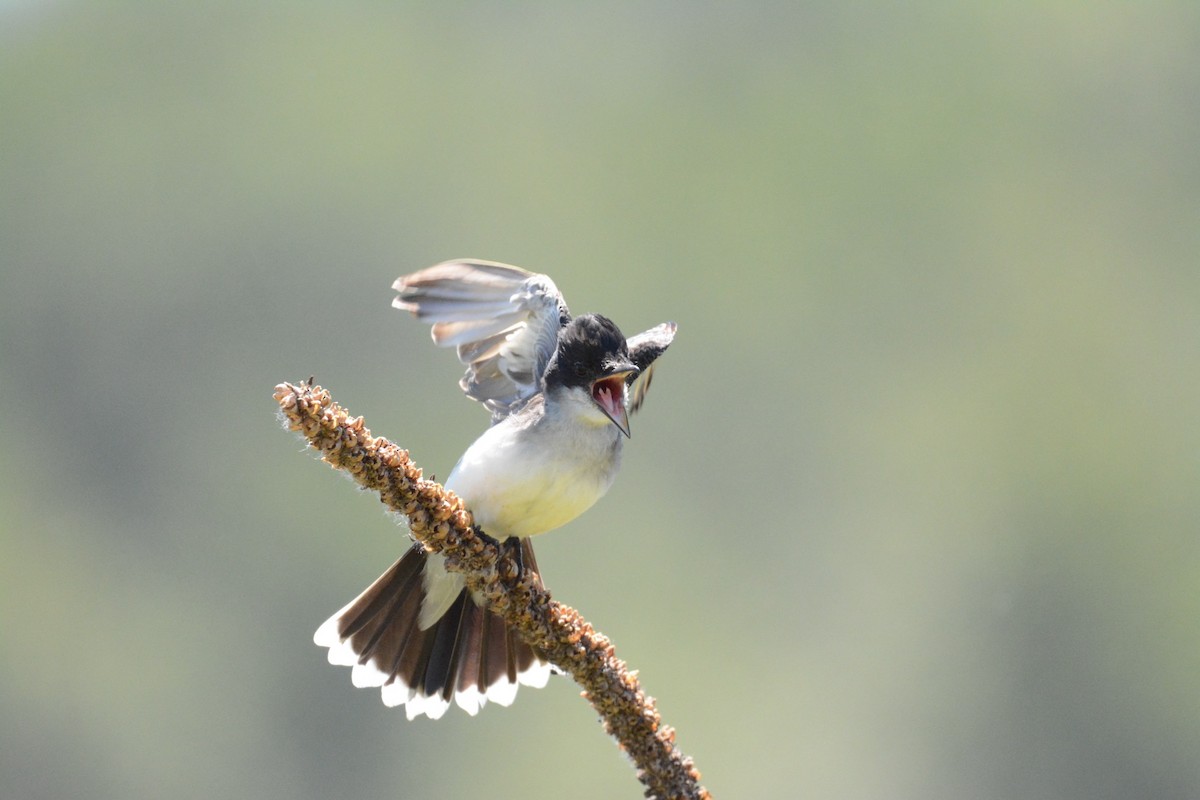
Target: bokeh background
911, 512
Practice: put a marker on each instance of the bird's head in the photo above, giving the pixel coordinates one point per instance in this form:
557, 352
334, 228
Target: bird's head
592, 358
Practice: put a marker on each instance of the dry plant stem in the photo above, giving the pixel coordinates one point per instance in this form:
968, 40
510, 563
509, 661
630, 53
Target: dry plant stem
440, 521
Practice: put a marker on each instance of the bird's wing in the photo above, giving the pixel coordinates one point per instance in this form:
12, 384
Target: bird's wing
644, 348
503, 320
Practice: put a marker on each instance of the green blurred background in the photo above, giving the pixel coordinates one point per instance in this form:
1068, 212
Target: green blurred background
911, 512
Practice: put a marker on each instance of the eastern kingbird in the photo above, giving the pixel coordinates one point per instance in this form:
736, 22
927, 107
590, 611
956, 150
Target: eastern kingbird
559, 390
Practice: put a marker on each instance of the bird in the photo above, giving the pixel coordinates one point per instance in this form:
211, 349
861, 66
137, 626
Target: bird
559, 390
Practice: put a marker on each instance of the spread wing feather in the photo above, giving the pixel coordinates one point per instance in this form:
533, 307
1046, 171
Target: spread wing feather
644, 348
503, 321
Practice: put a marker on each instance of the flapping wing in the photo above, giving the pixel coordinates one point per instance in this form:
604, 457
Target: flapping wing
644, 348
503, 320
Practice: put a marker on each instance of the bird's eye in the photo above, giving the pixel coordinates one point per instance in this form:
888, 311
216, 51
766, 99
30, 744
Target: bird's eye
580, 369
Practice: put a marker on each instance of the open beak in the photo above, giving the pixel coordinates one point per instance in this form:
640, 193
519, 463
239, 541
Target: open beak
609, 393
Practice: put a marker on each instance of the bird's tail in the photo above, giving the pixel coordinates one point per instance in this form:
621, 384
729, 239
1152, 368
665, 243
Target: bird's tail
467, 654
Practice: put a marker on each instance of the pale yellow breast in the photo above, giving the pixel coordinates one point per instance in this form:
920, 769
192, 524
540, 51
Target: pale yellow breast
526, 488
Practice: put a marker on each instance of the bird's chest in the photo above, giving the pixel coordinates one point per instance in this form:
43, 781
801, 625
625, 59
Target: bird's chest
527, 484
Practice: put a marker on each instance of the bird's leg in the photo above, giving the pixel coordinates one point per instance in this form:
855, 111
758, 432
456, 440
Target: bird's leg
487, 539
511, 557
518, 553
509, 549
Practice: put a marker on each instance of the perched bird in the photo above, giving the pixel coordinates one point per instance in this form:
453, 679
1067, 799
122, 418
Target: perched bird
560, 390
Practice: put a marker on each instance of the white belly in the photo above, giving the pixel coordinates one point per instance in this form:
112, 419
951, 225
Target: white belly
524, 485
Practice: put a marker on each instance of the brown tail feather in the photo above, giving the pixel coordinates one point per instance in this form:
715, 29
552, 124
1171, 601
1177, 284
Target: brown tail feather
467, 655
